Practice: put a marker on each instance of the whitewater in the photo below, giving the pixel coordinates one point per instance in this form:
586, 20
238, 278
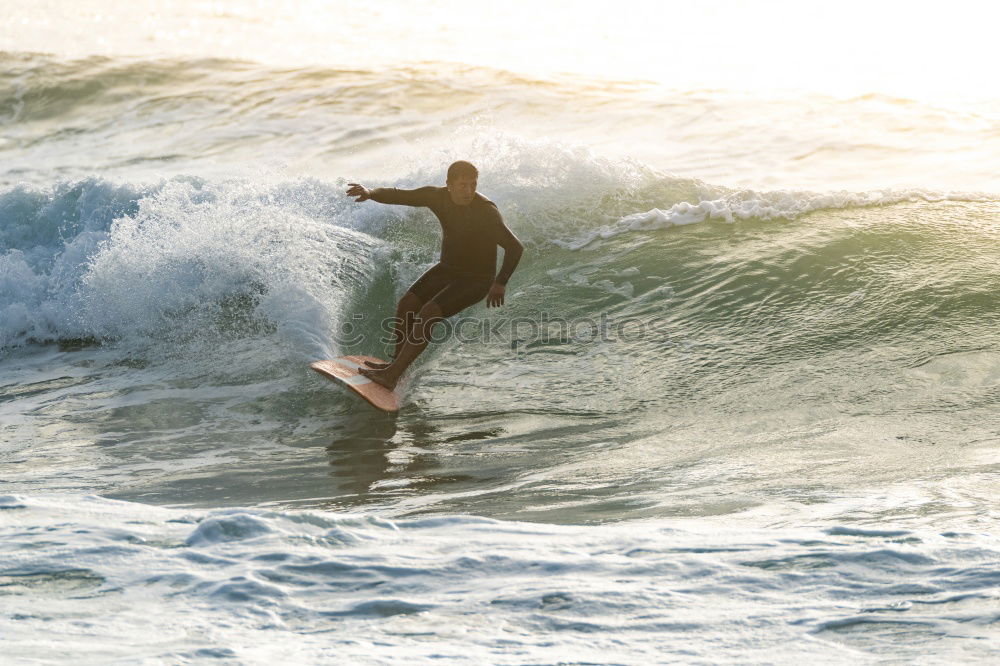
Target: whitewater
740, 404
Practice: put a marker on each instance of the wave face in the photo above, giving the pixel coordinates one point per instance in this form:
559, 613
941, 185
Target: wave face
93, 258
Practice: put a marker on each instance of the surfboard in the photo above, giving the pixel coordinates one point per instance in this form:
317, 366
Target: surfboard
344, 369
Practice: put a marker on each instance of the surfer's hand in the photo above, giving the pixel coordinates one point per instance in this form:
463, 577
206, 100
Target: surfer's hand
362, 193
495, 297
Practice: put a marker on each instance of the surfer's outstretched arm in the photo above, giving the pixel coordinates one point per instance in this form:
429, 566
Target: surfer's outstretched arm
391, 195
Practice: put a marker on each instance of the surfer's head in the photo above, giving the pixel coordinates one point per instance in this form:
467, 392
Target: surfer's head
462, 177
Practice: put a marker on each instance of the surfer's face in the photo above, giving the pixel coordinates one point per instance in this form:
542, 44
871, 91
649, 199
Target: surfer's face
462, 190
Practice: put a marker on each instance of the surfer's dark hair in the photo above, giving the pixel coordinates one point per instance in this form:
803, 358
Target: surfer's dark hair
462, 168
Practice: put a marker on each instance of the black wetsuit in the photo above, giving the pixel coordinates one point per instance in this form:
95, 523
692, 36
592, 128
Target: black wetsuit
469, 238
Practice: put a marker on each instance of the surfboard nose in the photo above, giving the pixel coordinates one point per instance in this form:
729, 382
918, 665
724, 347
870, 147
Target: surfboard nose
346, 370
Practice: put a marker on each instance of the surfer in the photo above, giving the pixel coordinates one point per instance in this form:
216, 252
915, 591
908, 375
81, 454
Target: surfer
471, 229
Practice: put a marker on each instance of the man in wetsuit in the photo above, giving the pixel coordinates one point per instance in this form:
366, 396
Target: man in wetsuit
471, 227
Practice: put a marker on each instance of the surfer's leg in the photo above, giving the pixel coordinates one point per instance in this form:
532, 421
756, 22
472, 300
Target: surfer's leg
407, 319
422, 290
455, 297
413, 346
406, 313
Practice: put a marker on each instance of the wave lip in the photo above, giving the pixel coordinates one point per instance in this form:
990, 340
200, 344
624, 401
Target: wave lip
93, 259
46, 241
733, 205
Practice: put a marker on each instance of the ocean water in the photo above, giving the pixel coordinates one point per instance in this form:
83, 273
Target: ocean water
741, 404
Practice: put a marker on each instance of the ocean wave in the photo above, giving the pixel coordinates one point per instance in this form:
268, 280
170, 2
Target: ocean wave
152, 118
43, 87
105, 260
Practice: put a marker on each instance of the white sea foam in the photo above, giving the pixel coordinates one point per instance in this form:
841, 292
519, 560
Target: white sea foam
313, 585
116, 261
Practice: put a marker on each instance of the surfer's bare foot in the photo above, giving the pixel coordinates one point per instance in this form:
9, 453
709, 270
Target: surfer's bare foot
380, 377
378, 365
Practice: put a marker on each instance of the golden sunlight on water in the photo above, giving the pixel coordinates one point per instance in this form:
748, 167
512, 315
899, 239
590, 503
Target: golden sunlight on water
942, 52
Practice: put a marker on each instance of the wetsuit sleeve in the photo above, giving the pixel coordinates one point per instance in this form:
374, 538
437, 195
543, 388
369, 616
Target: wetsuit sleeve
512, 250
422, 196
